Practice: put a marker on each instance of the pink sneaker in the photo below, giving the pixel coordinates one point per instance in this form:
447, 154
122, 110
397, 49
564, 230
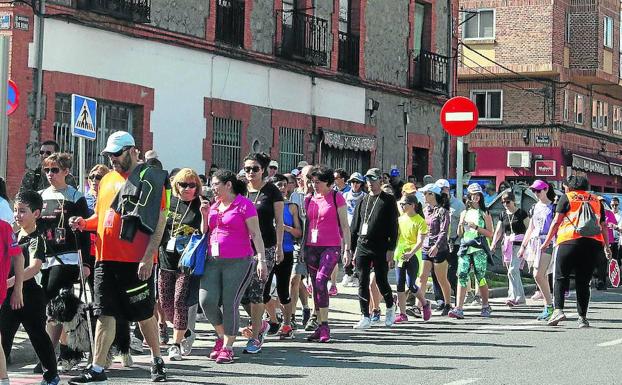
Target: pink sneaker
324, 333
225, 356
401, 318
427, 311
315, 336
217, 349
333, 290
511, 303
537, 296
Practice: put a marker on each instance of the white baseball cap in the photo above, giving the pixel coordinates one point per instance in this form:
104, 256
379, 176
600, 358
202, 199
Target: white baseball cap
117, 141
442, 183
273, 163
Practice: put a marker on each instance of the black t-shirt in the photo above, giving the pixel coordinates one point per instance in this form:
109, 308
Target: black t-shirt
184, 218
264, 200
514, 223
33, 246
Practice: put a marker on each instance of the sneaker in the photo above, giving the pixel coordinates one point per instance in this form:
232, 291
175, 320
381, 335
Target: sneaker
286, 332
158, 371
216, 349
546, 313
273, 328
333, 290
174, 353
253, 346
486, 311
53, 381
324, 334
265, 326
247, 331
511, 303
315, 336
456, 313
401, 318
306, 315
347, 279
89, 376
67, 364
440, 304
445, 310
163, 334
427, 311
364, 323
583, 323
225, 356
353, 283
375, 317
414, 311
293, 323
389, 317
187, 342
312, 324
126, 360
537, 296
557, 317
477, 300
136, 345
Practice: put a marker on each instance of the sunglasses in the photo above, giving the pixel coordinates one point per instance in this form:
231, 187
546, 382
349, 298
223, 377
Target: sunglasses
505, 202
119, 153
614, 204
252, 169
403, 204
53, 170
535, 191
273, 168
356, 181
96, 177
372, 178
47, 153
186, 185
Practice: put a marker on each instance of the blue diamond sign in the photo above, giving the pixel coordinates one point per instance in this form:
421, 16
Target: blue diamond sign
83, 117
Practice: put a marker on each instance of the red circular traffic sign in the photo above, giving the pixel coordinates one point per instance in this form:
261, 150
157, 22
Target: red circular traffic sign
13, 98
459, 116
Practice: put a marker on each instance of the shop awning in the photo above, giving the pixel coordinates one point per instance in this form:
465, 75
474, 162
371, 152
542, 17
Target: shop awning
349, 142
590, 165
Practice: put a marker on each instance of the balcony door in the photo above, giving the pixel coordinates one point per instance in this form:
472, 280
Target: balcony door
289, 23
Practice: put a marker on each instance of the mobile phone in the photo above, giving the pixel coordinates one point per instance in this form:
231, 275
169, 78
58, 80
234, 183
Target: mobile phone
207, 193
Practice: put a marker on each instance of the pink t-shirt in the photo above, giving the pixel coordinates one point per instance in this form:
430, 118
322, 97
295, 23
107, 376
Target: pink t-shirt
9, 248
229, 228
322, 216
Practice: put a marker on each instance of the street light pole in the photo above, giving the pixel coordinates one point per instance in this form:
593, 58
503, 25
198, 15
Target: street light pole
4, 90
35, 133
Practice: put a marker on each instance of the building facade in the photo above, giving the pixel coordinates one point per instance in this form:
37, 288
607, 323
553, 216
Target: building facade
545, 76
347, 83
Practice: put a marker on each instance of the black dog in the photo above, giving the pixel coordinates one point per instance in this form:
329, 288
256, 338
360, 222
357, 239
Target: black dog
71, 312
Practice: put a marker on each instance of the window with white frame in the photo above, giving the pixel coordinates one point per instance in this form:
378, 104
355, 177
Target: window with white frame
600, 115
578, 109
617, 120
227, 136
489, 103
479, 25
566, 112
608, 32
291, 147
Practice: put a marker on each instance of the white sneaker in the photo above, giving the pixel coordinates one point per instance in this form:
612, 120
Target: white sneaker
355, 282
174, 353
347, 280
186, 344
364, 323
389, 317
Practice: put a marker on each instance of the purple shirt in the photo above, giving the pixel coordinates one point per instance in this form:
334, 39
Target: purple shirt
437, 219
229, 229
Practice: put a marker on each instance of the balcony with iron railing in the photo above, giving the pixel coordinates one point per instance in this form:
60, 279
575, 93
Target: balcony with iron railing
302, 37
348, 53
230, 22
137, 11
430, 72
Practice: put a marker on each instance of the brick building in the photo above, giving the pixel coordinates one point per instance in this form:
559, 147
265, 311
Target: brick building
348, 83
545, 76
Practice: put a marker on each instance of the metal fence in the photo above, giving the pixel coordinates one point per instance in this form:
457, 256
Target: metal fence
304, 38
291, 148
226, 143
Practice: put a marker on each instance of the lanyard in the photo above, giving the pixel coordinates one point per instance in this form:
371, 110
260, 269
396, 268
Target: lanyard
368, 215
182, 218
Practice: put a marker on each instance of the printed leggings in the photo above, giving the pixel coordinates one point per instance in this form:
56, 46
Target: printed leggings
479, 261
321, 260
173, 289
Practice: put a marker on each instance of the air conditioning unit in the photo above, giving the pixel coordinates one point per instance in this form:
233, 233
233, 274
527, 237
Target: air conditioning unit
519, 159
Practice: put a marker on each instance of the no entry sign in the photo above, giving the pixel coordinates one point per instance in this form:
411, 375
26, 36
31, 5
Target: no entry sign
459, 116
13, 98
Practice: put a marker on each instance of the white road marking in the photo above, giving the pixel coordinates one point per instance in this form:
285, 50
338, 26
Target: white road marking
610, 343
463, 382
459, 116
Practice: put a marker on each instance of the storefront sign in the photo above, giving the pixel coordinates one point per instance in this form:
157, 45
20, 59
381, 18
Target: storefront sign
21, 22
616, 169
5, 22
349, 142
543, 139
545, 168
589, 165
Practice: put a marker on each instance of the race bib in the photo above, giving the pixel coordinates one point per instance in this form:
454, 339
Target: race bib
170, 245
109, 219
314, 235
215, 249
364, 229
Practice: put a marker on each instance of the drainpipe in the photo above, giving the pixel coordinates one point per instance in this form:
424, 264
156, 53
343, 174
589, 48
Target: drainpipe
450, 85
35, 133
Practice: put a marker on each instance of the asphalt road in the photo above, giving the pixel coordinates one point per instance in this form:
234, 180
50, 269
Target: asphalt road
509, 348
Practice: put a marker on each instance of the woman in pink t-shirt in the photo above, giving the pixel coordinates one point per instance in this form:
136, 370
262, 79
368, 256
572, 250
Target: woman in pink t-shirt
231, 223
325, 230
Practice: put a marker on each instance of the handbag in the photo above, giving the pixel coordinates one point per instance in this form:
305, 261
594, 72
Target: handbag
192, 261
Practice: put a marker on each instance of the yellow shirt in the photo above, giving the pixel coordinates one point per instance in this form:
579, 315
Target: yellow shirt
409, 228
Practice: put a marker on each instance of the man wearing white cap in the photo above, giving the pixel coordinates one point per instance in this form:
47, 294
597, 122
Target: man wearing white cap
124, 284
273, 168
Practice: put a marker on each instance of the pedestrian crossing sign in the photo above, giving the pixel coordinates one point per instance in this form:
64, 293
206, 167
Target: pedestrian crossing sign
83, 117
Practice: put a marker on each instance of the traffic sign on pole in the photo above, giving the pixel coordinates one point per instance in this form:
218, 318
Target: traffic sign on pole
13, 98
83, 117
459, 116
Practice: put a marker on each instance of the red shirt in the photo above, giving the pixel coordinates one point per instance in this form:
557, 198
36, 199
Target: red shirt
9, 248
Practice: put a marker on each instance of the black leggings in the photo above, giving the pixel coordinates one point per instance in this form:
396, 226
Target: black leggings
381, 268
283, 272
32, 316
580, 258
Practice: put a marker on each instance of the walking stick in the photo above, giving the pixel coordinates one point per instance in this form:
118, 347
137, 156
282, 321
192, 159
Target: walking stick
86, 300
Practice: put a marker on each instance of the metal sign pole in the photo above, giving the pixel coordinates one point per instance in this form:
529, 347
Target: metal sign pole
459, 166
4, 91
81, 165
